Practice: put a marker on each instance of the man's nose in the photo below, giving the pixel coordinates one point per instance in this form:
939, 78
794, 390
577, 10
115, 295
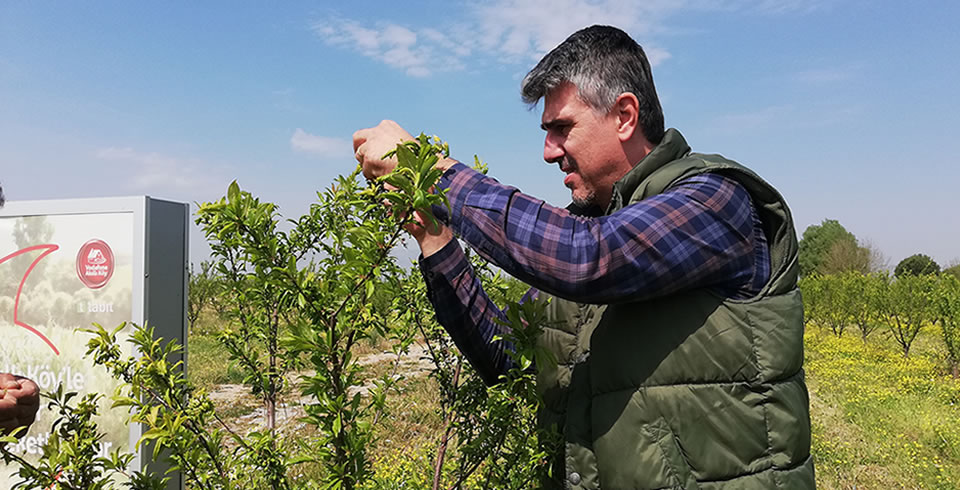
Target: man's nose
552, 150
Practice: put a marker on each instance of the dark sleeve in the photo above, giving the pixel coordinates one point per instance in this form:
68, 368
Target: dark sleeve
465, 311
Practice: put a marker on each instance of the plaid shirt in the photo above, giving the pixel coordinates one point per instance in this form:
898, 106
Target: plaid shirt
703, 232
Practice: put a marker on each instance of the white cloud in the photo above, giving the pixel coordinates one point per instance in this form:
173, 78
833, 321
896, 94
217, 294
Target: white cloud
522, 31
323, 146
365, 39
399, 36
392, 44
506, 31
155, 172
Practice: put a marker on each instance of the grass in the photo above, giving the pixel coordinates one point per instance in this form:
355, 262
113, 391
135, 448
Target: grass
208, 364
408, 436
881, 420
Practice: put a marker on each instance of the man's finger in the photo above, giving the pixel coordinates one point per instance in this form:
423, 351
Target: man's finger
8, 381
360, 137
359, 153
29, 387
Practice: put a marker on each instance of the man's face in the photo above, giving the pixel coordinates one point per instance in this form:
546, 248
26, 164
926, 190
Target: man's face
585, 144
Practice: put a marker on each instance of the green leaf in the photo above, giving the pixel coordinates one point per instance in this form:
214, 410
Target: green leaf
233, 192
154, 433
399, 181
405, 157
420, 200
525, 363
426, 165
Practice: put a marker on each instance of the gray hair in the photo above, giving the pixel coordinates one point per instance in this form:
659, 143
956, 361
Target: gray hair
602, 62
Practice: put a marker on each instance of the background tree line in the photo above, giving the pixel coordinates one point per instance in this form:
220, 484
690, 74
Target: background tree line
844, 285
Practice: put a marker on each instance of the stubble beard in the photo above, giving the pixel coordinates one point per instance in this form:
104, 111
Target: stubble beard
586, 201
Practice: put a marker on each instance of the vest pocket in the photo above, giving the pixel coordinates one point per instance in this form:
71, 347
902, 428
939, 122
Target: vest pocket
678, 470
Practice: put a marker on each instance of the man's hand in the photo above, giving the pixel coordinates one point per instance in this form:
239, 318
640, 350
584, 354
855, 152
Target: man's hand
19, 402
429, 237
369, 146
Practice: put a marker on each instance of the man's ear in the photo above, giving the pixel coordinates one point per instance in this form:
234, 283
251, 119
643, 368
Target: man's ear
626, 110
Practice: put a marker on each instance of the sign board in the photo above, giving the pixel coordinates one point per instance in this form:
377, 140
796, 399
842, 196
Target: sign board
67, 264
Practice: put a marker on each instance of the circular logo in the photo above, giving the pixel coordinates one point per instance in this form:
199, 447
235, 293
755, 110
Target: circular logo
95, 264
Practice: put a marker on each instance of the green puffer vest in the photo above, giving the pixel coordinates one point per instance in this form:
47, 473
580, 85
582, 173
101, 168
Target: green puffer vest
691, 390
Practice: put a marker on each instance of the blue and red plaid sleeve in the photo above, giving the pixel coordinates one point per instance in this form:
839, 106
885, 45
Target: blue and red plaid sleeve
701, 233
466, 312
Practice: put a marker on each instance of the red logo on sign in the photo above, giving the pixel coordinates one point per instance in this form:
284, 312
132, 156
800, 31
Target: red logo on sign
95, 264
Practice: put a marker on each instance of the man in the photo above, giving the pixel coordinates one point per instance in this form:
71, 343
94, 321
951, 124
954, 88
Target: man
675, 316
19, 396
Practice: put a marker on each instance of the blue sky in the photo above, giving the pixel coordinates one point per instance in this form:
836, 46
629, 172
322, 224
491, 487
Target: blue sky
847, 107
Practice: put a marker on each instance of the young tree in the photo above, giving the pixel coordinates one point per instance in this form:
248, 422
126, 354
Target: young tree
180, 421
811, 287
307, 295
252, 256
948, 312
908, 306
838, 302
70, 458
203, 288
863, 291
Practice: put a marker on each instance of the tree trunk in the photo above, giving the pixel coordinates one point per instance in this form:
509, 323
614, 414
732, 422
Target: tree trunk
273, 384
271, 406
270, 400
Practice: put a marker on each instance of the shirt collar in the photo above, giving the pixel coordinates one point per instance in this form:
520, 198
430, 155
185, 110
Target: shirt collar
670, 148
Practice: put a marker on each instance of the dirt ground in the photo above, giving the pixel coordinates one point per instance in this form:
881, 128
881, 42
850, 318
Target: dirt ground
243, 413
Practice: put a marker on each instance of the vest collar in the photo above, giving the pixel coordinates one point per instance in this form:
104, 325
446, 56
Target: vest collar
670, 148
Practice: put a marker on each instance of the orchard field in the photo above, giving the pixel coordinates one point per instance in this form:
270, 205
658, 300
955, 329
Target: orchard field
880, 420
